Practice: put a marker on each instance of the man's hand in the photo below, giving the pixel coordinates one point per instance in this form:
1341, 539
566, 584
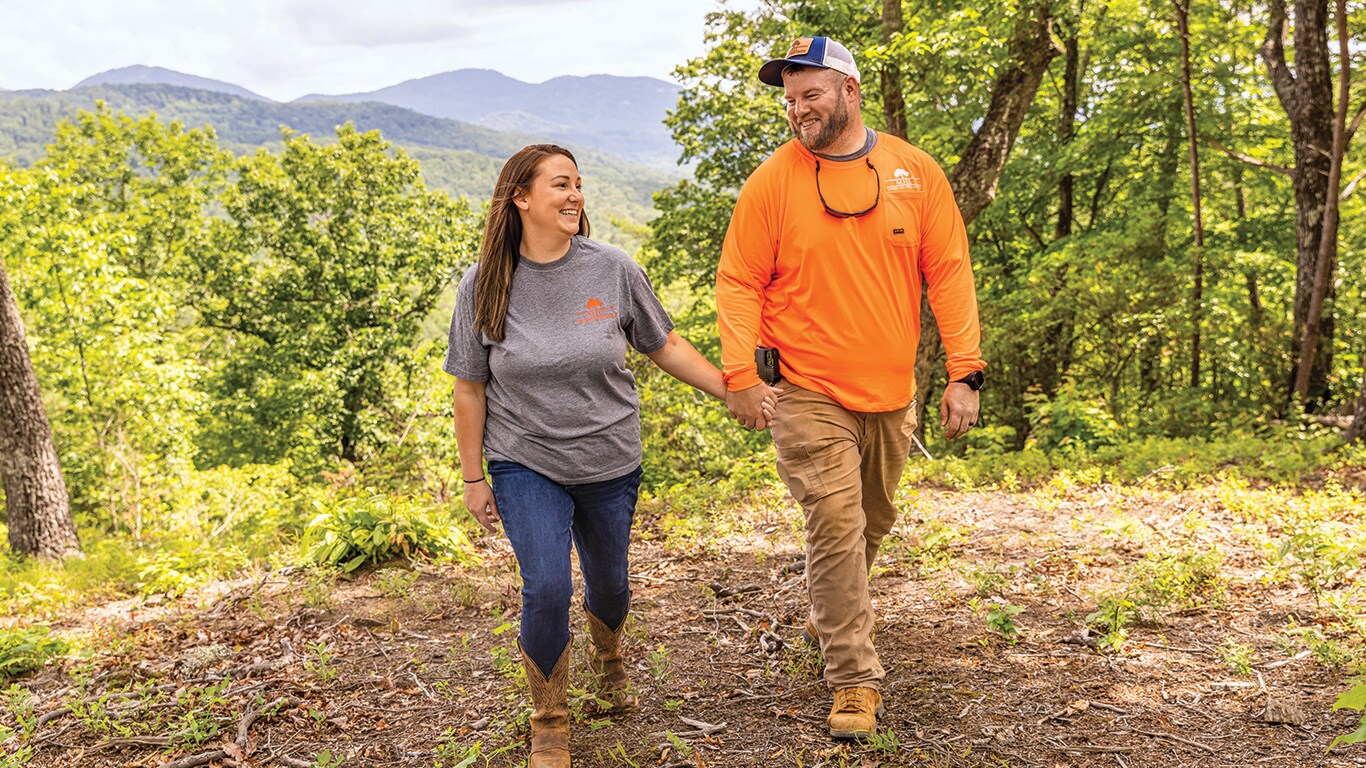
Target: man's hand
958, 409
479, 501
754, 407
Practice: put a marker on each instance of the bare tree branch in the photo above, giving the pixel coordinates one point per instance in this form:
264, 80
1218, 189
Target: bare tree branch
1249, 160
1356, 121
977, 172
1352, 185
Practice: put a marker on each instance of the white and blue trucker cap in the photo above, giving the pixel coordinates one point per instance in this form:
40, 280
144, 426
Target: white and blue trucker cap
810, 52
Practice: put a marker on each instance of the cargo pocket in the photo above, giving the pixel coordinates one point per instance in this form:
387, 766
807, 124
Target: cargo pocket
799, 472
912, 421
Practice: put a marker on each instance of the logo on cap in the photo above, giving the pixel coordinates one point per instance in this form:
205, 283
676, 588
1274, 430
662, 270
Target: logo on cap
800, 46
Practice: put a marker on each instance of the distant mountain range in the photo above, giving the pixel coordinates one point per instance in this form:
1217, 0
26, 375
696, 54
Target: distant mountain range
456, 156
620, 115
140, 75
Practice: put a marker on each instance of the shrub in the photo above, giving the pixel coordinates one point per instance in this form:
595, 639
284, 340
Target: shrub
1070, 420
25, 649
185, 564
376, 528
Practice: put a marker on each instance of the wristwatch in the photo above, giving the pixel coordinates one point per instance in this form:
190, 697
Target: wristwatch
974, 380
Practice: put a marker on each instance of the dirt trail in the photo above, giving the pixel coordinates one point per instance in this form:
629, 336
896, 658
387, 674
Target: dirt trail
417, 668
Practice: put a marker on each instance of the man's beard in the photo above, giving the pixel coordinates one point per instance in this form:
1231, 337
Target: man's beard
831, 128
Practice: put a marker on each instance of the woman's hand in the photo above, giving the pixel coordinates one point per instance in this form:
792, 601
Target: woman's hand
479, 501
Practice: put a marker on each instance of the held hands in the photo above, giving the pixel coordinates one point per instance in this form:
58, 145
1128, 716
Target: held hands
479, 501
755, 407
958, 409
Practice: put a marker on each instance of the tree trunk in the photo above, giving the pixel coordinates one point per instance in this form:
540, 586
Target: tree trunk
352, 405
1059, 338
1307, 97
893, 99
36, 504
1067, 128
1032, 47
1357, 431
1150, 354
1197, 286
1329, 235
975, 177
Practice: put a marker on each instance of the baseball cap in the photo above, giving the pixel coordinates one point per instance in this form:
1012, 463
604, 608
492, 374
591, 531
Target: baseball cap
811, 52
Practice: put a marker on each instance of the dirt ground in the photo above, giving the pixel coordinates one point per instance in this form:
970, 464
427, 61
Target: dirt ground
400, 667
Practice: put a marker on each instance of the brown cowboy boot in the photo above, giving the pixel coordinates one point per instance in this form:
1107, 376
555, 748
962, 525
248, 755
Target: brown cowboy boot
609, 669
550, 711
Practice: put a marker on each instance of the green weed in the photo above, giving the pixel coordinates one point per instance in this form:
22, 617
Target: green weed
1239, 657
320, 661
1353, 698
25, 649
1001, 620
395, 582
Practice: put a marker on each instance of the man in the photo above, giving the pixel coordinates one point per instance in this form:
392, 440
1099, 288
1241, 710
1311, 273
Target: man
823, 261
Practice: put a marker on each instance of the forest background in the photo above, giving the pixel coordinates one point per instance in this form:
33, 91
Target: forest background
238, 348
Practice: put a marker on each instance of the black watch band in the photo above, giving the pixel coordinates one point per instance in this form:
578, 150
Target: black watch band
974, 380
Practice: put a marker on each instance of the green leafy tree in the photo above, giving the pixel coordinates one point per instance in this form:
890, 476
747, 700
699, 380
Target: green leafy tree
97, 234
327, 260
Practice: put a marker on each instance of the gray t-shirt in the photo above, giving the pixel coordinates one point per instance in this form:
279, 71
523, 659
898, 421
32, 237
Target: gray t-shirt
561, 400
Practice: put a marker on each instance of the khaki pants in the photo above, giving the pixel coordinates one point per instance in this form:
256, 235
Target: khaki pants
843, 468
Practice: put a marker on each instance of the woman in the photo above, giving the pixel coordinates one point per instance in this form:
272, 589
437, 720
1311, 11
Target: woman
538, 348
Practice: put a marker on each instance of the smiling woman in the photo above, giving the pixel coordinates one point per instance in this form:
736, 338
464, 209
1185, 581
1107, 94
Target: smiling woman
538, 348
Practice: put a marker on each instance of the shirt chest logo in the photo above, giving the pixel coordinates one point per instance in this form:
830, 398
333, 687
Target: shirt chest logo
595, 311
904, 181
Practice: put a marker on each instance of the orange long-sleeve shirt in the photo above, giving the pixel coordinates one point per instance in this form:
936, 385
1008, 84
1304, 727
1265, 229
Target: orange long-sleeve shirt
840, 298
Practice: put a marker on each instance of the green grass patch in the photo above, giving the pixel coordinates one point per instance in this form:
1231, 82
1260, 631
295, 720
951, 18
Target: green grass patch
1276, 457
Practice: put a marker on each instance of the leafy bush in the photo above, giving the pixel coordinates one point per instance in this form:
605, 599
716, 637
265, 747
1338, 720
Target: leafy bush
1353, 698
188, 563
254, 506
25, 649
1187, 578
1070, 420
1280, 456
376, 528
37, 588
1007, 471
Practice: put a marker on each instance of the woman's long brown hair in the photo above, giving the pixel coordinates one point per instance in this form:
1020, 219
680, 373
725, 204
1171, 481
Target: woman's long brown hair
503, 236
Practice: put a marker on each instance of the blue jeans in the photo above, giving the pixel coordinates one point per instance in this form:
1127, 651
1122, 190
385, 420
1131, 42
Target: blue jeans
541, 518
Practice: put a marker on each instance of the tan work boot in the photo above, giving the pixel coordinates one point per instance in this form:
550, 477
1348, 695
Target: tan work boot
855, 712
809, 635
550, 711
607, 665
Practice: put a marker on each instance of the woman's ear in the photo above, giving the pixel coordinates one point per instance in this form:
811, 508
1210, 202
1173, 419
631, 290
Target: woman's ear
519, 198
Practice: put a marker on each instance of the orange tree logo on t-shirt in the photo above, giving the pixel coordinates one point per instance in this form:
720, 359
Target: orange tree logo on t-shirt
594, 311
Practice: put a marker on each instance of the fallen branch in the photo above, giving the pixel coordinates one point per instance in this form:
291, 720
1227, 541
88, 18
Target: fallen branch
1283, 662
703, 729
1178, 739
203, 758
243, 735
739, 589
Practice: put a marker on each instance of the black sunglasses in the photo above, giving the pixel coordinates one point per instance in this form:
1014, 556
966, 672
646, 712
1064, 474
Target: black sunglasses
844, 214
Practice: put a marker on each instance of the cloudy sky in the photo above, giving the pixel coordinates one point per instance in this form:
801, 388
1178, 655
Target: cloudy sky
284, 49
